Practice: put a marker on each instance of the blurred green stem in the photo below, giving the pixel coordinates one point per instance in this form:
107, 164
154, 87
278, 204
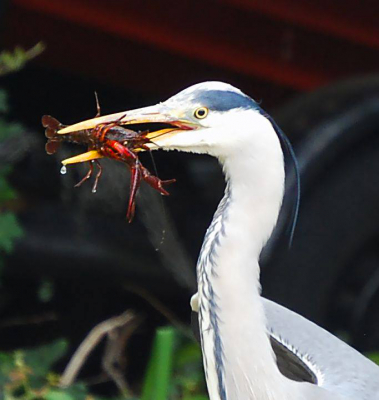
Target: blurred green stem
158, 376
14, 61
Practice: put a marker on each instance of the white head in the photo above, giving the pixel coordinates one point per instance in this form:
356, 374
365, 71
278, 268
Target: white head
221, 119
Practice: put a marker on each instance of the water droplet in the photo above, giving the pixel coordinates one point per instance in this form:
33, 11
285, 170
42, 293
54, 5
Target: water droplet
63, 170
93, 190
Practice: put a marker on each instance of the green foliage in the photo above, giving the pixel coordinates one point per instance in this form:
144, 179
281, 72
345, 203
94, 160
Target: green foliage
76, 392
26, 375
22, 372
8, 130
14, 61
6, 192
42, 358
175, 369
158, 376
374, 356
58, 395
10, 229
45, 291
174, 372
188, 380
3, 102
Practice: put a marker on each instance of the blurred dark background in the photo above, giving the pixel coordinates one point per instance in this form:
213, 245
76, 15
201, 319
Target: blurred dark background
313, 66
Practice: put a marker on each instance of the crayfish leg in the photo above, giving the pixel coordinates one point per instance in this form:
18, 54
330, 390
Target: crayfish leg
87, 176
98, 175
155, 182
135, 180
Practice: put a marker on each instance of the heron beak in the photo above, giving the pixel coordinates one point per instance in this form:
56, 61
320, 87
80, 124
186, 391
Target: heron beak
171, 119
88, 156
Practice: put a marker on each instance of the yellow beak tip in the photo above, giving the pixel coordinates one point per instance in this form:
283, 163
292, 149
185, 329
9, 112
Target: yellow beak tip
88, 156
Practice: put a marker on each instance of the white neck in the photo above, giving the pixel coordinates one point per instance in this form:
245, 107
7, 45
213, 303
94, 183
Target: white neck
231, 314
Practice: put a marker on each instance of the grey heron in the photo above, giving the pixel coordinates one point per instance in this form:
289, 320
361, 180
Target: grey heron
253, 349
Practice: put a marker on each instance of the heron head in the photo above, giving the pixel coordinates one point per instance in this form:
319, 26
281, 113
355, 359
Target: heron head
210, 117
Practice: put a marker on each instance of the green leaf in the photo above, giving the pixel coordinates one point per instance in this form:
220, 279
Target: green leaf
113, 398
8, 130
374, 357
7, 365
78, 391
6, 192
3, 101
9, 231
36, 382
10, 62
58, 395
188, 354
45, 291
42, 358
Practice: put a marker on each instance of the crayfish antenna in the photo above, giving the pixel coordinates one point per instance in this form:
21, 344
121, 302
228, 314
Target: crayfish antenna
98, 110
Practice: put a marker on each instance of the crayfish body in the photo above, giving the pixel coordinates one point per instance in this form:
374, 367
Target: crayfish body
107, 140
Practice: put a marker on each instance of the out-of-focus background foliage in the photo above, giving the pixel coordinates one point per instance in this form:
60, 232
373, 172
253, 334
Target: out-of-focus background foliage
102, 306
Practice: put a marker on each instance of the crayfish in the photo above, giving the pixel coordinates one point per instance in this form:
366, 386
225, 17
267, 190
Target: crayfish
109, 140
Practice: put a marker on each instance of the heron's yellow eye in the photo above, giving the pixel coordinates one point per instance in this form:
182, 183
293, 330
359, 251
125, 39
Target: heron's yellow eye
201, 112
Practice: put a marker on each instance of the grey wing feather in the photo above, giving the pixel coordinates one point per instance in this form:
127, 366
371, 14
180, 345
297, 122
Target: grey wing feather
307, 352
